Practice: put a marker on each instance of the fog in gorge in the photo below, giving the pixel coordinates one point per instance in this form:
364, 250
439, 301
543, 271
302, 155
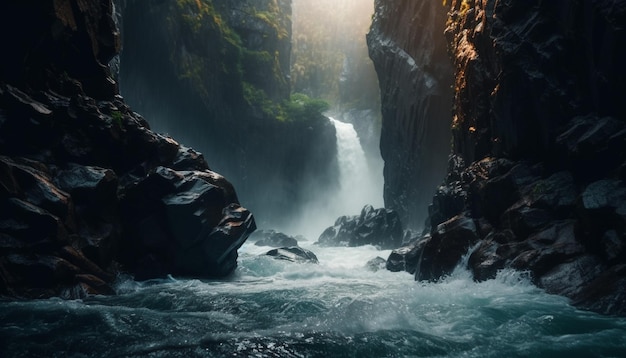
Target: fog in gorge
294, 176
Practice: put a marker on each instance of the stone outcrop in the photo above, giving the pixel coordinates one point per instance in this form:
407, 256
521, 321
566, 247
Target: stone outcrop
408, 48
378, 227
293, 254
87, 190
214, 74
536, 178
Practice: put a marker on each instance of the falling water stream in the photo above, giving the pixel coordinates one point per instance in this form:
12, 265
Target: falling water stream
337, 308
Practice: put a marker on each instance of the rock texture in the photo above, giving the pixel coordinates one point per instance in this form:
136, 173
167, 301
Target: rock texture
86, 188
214, 75
409, 51
536, 178
378, 227
294, 254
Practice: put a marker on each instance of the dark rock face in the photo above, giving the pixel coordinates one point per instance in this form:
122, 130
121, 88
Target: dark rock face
409, 51
378, 227
86, 188
61, 45
293, 254
273, 238
538, 149
212, 75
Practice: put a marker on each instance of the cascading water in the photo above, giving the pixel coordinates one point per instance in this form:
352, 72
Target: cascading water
356, 185
359, 184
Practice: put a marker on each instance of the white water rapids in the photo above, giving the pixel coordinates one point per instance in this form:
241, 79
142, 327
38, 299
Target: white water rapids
272, 308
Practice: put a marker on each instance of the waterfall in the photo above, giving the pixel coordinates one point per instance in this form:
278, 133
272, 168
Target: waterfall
357, 186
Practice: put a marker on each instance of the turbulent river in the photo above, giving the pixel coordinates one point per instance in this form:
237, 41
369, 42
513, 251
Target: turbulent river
272, 308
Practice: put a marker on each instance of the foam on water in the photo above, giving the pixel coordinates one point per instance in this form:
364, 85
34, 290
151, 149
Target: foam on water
273, 308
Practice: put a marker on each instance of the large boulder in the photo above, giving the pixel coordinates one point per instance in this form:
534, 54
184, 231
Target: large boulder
378, 227
182, 222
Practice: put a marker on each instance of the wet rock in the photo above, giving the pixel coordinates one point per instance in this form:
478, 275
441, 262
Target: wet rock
406, 258
379, 227
274, 239
99, 225
183, 222
556, 244
30, 224
571, 278
606, 293
444, 249
293, 254
376, 264
449, 201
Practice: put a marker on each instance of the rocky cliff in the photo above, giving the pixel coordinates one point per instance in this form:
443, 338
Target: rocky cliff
408, 47
87, 190
216, 74
536, 180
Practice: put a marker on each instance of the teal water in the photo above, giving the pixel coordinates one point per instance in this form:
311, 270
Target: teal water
271, 308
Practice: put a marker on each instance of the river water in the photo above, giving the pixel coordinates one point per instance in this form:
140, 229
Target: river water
337, 308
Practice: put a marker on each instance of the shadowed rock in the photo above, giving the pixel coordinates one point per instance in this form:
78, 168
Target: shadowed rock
378, 227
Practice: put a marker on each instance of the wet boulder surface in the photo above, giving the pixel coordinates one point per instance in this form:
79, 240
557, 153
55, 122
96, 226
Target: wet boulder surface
295, 254
379, 227
87, 190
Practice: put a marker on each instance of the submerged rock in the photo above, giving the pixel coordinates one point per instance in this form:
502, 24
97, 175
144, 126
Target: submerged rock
293, 254
378, 227
376, 264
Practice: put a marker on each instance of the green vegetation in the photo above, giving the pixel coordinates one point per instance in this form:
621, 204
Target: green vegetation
301, 107
251, 78
117, 118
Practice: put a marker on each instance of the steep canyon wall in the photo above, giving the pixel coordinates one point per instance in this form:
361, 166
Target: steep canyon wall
408, 47
536, 175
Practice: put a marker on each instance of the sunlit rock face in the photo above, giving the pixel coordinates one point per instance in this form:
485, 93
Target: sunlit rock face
538, 148
407, 45
87, 190
213, 74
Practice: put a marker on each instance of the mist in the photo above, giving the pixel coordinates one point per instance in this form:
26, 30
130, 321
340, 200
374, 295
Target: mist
330, 61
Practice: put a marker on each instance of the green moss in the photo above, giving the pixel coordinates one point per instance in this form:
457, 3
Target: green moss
117, 118
258, 99
301, 107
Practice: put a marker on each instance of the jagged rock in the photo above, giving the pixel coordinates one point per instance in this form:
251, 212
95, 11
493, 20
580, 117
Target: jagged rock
99, 225
30, 224
183, 222
538, 139
376, 264
274, 239
86, 188
379, 227
406, 258
293, 254
214, 253
443, 250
